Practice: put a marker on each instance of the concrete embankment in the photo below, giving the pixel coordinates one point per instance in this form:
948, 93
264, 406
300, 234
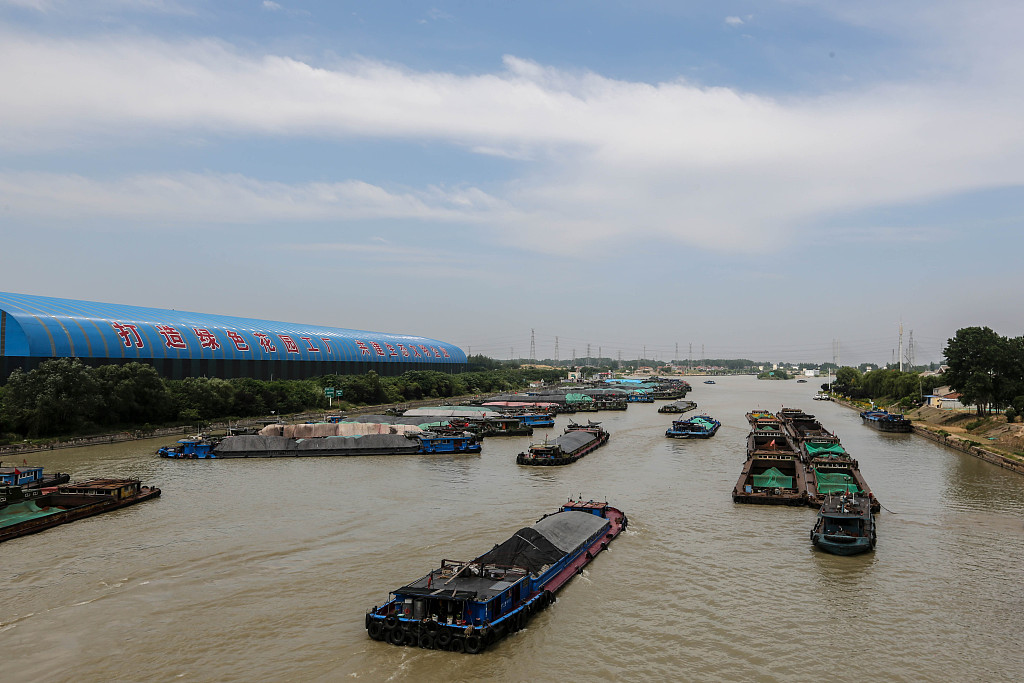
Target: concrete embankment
957, 443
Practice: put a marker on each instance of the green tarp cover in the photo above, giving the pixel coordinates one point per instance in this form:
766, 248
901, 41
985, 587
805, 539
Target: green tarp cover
835, 482
702, 421
773, 478
825, 449
578, 398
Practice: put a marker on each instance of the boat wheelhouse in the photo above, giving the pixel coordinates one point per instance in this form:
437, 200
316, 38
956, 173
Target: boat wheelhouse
31, 476
467, 606
845, 525
696, 427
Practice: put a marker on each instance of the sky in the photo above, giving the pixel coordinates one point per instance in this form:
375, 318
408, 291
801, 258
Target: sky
767, 180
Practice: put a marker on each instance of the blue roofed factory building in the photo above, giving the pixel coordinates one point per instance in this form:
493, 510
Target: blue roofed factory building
180, 344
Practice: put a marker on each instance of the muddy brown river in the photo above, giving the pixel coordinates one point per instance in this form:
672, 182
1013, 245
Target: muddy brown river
261, 570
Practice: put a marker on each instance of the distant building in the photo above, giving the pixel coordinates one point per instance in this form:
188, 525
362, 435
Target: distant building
945, 398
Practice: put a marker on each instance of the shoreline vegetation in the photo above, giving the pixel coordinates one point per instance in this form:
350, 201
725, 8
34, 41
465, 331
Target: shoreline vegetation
65, 400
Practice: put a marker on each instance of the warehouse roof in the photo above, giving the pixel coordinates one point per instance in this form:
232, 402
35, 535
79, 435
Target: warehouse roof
39, 326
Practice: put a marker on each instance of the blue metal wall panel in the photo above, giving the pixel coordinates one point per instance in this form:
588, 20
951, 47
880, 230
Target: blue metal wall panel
51, 327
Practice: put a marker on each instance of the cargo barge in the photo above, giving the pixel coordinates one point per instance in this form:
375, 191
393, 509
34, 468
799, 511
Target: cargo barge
678, 407
26, 511
696, 427
577, 441
772, 473
845, 525
257, 446
469, 606
885, 421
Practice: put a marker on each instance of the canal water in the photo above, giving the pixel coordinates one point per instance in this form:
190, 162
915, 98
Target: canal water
259, 570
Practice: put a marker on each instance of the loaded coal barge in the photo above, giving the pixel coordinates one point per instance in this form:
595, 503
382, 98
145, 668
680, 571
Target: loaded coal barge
468, 606
25, 511
311, 440
577, 441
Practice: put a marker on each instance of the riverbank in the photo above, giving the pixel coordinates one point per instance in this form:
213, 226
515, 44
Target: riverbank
989, 438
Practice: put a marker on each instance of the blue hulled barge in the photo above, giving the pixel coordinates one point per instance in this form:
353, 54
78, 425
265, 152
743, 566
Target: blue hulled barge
885, 421
468, 606
696, 427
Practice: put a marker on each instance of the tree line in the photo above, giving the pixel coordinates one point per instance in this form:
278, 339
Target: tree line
65, 396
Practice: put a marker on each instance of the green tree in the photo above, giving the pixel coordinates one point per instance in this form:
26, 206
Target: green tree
58, 397
974, 356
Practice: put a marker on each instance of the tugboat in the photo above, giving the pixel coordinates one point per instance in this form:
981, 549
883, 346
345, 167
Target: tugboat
696, 427
468, 606
845, 526
577, 441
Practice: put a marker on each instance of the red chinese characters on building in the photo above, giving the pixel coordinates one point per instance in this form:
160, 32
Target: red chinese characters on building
415, 351
289, 344
129, 335
437, 354
377, 348
405, 351
265, 342
309, 345
391, 349
327, 343
425, 350
206, 338
172, 338
444, 352
237, 340
364, 350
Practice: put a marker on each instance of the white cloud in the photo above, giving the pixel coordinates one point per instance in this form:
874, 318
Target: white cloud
602, 159
733, 21
271, 5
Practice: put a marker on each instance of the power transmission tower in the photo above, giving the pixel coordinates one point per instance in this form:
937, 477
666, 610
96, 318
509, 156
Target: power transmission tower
677, 352
533, 346
901, 345
588, 354
599, 352
556, 349
910, 351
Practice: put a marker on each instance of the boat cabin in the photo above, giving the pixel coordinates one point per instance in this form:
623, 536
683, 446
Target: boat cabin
118, 489
20, 476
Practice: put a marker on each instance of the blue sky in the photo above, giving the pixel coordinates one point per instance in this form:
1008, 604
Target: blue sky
757, 179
